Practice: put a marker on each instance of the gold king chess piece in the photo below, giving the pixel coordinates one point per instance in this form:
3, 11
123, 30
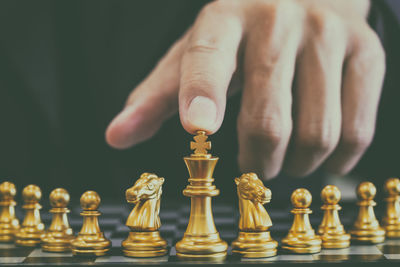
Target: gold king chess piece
254, 240
59, 235
201, 239
366, 228
301, 238
391, 218
90, 241
9, 224
32, 227
144, 239
331, 229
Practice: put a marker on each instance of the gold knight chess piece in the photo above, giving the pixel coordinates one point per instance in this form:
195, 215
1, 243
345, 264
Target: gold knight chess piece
331, 229
301, 238
90, 241
32, 228
144, 239
9, 223
59, 235
201, 240
254, 240
391, 218
366, 228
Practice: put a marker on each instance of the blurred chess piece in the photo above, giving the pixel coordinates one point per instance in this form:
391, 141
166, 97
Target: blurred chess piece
254, 240
59, 235
144, 239
366, 228
301, 237
331, 229
32, 228
201, 240
90, 241
9, 224
391, 218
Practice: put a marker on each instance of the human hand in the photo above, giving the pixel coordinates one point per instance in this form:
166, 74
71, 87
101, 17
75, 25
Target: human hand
327, 111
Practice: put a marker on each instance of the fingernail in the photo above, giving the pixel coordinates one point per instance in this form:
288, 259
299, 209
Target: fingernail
202, 113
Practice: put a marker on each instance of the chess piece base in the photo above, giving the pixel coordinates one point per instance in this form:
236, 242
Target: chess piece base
392, 228
254, 245
29, 236
335, 240
372, 236
90, 245
144, 245
393, 231
202, 247
7, 233
57, 241
302, 244
7, 238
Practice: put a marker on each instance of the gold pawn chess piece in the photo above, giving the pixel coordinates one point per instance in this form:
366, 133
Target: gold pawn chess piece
9, 223
301, 238
90, 241
254, 240
144, 239
59, 235
32, 227
391, 218
201, 240
366, 228
331, 229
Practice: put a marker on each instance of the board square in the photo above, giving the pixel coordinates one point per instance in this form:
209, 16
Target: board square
39, 253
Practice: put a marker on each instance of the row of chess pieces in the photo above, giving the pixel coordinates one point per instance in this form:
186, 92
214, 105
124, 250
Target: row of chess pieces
254, 239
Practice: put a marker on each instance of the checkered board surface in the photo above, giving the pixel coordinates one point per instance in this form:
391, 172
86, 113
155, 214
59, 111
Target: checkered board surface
174, 220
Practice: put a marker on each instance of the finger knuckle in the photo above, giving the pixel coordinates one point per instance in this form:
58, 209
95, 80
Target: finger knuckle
357, 140
202, 46
325, 24
277, 14
269, 130
369, 48
217, 8
316, 140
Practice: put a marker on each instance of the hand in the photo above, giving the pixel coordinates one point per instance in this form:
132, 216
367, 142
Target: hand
327, 111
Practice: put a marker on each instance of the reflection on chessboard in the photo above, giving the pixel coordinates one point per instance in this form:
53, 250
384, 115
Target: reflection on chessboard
174, 220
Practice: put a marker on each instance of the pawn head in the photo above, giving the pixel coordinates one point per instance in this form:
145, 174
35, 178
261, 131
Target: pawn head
301, 198
330, 195
366, 191
31, 194
7, 191
392, 186
59, 198
90, 200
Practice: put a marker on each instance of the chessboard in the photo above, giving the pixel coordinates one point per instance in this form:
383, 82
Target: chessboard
174, 219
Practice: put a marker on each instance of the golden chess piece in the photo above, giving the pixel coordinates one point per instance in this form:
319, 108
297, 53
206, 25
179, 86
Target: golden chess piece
59, 235
331, 229
32, 227
90, 241
9, 223
144, 239
366, 228
391, 218
201, 240
301, 237
254, 240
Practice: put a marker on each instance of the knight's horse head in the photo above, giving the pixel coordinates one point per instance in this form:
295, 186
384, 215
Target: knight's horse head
251, 188
148, 186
